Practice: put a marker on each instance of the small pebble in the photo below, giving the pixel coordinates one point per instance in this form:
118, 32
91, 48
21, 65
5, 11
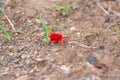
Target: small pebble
78, 34
72, 29
23, 56
101, 47
65, 69
92, 59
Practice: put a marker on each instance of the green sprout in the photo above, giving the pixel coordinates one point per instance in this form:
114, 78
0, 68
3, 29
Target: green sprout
58, 7
57, 27
1, 11
67, 8
30, 37
5, 33
17, 31
46, 30
1, 18
117, 28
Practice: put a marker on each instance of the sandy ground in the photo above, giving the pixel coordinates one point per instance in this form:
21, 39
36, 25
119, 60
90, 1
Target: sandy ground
89, 29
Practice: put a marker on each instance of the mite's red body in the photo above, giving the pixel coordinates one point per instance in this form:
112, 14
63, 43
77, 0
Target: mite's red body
56, 37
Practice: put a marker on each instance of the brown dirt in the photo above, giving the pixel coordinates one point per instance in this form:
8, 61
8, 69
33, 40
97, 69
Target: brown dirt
89, 29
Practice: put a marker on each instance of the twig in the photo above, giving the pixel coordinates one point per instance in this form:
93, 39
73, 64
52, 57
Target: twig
106, 12
10, 22
117, 14
82, 45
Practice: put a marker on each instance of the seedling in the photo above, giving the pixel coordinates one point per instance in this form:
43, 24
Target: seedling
56, 27
30, 37
117, 29
46, 30
1, 11
6, 35
2, 28
67, 8
17, 31
60, 8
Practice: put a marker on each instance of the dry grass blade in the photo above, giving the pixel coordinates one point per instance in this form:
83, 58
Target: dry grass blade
82, 45
106, 12
9, 22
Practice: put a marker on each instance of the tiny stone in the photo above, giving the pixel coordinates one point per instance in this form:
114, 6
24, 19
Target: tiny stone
78, 33
75, 7
91, 59
72, 29
25, 56
11, 54
65, 69
40, 59
37, 21
101, 47
116, 70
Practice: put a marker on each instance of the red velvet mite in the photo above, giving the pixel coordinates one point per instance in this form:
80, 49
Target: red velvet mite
56, 37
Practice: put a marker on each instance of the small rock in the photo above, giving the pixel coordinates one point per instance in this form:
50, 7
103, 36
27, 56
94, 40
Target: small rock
40, 59
101, 47
92, 77
75, 7
78, 34
65, 69
4, 70
72, 29
37, 20
23, 56
92, 59
11, 54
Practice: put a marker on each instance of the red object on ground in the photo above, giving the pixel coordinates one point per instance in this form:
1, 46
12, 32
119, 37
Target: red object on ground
99, 65
56, 37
